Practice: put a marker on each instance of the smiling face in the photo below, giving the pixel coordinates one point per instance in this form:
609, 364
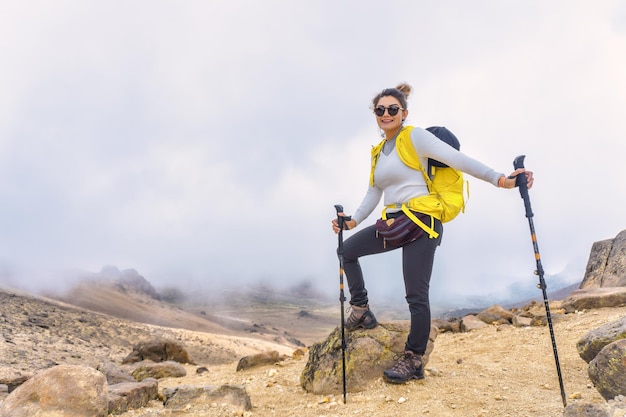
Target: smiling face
388, 123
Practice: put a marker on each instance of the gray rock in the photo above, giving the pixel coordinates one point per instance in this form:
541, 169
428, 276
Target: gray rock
608, 370
594, 341
60, 391
132, 395
596, 264
606, 266
114, 374
578, 409
182, 396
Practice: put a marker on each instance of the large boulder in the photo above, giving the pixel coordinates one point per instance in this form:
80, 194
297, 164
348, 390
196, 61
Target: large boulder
606, 266
368, 354
607, 370
592, 298
60, 391
595, 340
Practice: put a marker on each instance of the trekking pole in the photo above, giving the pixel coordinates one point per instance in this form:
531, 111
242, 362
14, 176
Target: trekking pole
341, 222
522, 182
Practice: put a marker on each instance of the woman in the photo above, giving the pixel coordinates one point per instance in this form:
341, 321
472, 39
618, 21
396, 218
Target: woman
399, 184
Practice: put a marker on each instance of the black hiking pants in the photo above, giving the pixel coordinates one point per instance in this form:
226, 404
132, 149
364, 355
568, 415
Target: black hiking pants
417, 266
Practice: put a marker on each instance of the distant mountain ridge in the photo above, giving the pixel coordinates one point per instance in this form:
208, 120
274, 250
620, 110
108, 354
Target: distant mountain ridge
559, 294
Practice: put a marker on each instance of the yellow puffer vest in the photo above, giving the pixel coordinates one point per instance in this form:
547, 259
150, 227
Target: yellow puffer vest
446, 186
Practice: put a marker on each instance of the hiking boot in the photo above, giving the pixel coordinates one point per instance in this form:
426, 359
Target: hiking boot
361, 317
406, 368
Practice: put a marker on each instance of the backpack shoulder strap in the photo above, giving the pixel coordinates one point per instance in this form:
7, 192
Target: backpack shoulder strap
408, 154
375, 154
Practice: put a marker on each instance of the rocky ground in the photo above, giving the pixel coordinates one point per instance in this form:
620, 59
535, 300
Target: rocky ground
503, 371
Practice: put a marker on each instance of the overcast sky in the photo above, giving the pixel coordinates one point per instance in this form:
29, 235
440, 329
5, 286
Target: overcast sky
204, 142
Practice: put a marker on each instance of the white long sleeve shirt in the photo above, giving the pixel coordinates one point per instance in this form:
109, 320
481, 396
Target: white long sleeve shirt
400, 183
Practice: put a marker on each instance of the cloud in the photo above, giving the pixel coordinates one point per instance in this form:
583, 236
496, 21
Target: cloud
210, 141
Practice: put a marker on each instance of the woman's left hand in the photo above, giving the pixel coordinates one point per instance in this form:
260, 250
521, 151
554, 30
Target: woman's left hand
510, 182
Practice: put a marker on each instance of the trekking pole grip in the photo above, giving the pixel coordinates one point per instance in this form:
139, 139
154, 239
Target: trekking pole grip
339, 209
522, 182
341, 220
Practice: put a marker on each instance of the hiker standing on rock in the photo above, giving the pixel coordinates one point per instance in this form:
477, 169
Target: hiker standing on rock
405, 187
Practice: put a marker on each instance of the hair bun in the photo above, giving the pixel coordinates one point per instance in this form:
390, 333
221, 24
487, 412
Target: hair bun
405, 89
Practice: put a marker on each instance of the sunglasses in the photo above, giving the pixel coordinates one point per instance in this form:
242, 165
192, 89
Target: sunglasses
392, 110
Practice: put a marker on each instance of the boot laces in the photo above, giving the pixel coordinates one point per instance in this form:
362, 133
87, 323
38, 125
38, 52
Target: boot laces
356, 314
406, 363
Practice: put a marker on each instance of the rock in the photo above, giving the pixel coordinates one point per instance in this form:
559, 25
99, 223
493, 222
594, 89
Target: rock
114, 374
618, 405
607, 370
158, 350
60, 391
368, 354
148, 369
452, 325
606, 266
595, 340
132, 395
496, 314
298, 354
14, 382
183, 396
592, 298
520, 320
471, 322
264, 358
578, 409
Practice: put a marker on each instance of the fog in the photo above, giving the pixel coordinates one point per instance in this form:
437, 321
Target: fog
204, 144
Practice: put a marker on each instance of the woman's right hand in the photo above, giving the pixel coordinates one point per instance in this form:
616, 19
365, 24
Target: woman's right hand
348, 224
